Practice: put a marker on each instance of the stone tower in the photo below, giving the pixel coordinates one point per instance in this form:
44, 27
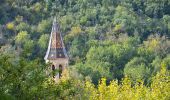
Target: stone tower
56, 52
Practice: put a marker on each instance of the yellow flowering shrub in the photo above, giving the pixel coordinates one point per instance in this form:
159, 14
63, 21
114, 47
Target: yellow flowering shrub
10, 26
158, 90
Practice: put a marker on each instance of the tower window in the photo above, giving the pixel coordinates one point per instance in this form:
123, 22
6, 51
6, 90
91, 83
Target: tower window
60, 70
53, 67
53, 72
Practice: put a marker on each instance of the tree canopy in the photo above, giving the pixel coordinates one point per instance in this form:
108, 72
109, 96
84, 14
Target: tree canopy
118, 49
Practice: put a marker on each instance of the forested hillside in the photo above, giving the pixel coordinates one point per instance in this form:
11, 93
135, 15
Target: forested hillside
118, 49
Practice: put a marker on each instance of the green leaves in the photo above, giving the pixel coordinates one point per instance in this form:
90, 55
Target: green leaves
22, 37
44, 26
104, 38
21, 76
126, 90
23, 27
43, 41
137, 69
124, 20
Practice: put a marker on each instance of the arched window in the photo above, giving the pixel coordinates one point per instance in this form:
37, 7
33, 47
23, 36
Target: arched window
53, 72
53, 67
60, 70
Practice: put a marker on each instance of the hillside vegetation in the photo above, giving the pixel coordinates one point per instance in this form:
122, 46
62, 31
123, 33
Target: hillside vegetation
118, 49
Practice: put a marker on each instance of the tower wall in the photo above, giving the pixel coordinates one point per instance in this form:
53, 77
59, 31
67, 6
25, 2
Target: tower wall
58, 62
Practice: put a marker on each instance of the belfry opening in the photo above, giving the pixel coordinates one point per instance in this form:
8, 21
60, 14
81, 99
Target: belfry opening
53, 70
60, 70
53, 67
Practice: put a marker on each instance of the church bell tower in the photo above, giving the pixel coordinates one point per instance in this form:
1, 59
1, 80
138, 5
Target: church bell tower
56, 52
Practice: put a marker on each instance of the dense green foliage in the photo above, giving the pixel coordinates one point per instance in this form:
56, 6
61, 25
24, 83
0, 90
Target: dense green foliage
104, 39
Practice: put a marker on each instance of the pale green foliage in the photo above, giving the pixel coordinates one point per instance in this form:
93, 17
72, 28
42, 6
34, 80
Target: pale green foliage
44, 26
66, 21
124, 19
43, 41
23, 27
91, 13
19, 18
166, 60
91, 31
22, 37
166, 19
28, 47
75, 31
106, 58
155, 46
83, 20
156, 65
136, 69
37, 7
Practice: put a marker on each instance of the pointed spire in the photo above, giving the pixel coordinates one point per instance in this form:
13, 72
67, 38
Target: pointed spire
55, 27
55, 19
56, 48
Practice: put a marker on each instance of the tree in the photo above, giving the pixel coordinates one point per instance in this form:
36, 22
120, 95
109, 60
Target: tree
137, 69
22, 37
20, 75
10, 26
125, 19
43, 41
28, 48
44, 26
155, 9
23, 27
